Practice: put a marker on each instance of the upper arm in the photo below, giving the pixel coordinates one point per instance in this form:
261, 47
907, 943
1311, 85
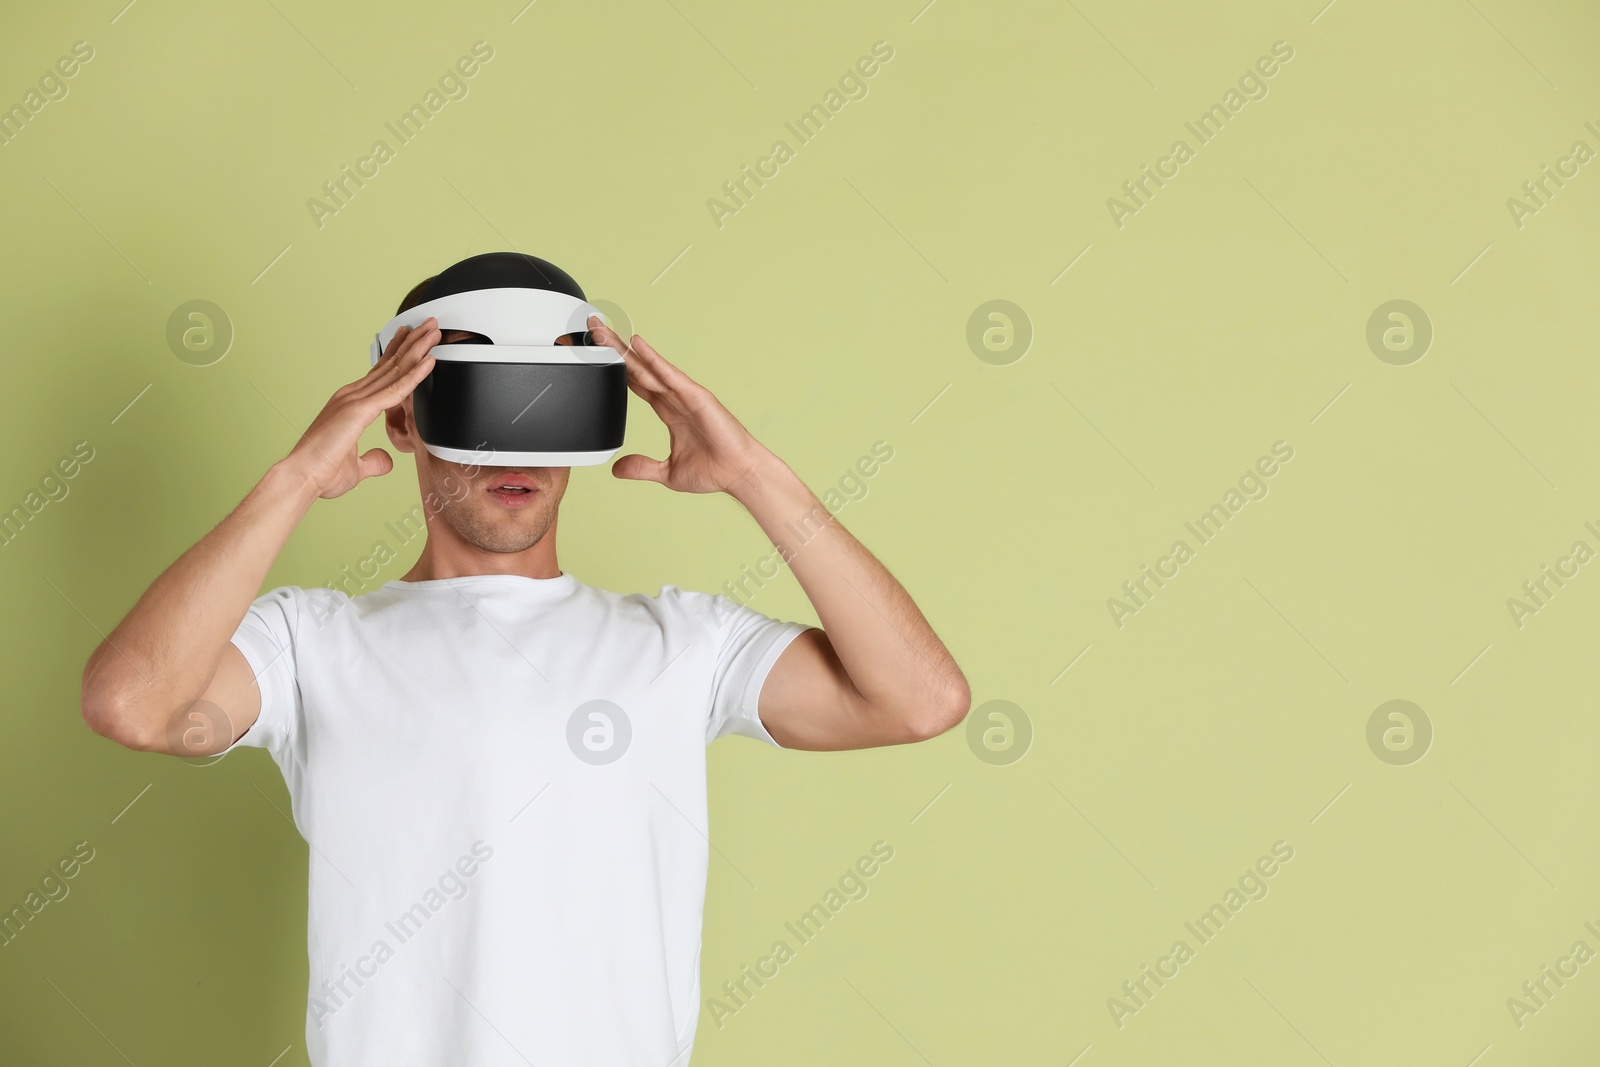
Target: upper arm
253, 698
228, 708
809, 702
783, 682
260, 695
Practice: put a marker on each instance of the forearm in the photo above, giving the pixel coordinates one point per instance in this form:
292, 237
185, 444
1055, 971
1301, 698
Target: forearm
165, 651
894, 659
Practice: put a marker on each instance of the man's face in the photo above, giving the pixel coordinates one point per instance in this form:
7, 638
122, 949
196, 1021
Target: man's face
496, 509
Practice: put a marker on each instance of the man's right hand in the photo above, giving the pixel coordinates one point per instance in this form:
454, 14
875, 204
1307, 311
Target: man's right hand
326, 454
174, 647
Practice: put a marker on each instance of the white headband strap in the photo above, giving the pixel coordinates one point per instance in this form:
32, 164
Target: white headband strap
508, 316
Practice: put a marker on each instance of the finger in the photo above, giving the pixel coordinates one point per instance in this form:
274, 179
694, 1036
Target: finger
379, 369
418, 345
606, 335
644, 382
424, 337
641, 390
375, 463
640, 468
640, 378
394, 361
396, 345
407, 337
405, 384
658, 365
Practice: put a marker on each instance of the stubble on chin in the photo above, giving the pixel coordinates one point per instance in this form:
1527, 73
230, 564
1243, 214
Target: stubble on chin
492, 530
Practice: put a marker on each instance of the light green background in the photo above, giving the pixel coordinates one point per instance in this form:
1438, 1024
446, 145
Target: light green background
827, 314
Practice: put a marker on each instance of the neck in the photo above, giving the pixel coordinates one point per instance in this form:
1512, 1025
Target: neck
446, 555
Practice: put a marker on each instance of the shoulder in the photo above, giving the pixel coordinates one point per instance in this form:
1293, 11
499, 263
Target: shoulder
296, 608
675, 605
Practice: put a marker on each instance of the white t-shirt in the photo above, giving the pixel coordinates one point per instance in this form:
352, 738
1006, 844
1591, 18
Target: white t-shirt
502, 782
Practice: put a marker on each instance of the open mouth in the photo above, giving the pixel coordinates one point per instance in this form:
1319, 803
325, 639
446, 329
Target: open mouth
513, 494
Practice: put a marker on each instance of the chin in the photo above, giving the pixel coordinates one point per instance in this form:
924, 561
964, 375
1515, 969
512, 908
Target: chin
491, 530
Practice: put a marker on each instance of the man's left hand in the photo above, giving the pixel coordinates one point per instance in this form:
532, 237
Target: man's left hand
710, 450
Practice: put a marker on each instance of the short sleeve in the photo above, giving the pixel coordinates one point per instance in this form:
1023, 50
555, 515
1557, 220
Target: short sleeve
266, 637
748, 644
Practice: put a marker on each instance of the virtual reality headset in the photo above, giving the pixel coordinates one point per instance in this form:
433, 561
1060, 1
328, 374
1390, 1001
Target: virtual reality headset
521, 400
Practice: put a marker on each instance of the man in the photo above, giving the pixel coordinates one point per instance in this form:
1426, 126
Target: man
499, 769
